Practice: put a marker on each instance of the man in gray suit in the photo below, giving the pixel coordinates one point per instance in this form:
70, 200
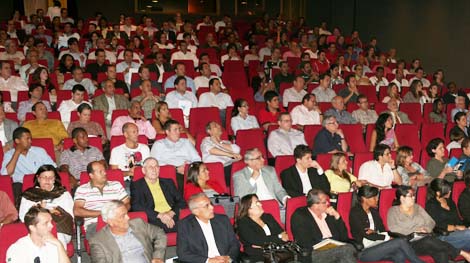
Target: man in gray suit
109, 101
256, 178
8, 127
124, 240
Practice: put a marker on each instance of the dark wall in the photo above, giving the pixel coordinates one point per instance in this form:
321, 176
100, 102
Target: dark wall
435, 31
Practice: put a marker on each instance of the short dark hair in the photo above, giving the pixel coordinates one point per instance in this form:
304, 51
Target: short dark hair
212, 80
72, 41
36, 104
348, 78
301, 150
270, 95
34, 86
178, 79
78, 87
98, 50
432, 145
379, 150
168, 124
76, 131
307, 97
459, 115
31, 217
312, 196
366, 191
18, 132
83, 106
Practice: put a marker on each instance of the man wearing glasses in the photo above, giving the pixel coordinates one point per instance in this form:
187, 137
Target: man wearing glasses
283, 140
382, 171
317, 221
205, 236
330, 139
364, 115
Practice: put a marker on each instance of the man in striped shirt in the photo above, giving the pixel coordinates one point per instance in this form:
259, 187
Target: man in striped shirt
90, 197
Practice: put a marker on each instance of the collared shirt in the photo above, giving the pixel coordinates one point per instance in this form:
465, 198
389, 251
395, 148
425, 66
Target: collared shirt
207, 144
48, 128
122, 66
174, 153
302, 116
63, 39
78, 160
306, 184
372, 172
322, 224
212, 250
292, 95
281, 142
124, 156
3, 137
26, 164
94, 198
179, 55
25, 251
86, 83
131, 249
66, 107
145, 127
26, 106
110, 56
13, 84
184, 102
159, 200
365, 117
377, 83
203, 81
262, 190
239, 123
111, 106
324, 95
220, 100
170, 83
342, 117
339, 184
148, 106
346, 92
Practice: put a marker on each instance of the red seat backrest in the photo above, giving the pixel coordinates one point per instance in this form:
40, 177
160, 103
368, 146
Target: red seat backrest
359, 159
354, 137
386, 198
6, 185
132, 215
92, 141
10, 233
310, 131
96, 116
421, 195
343, 207
120, 139
45, 143
199, 117
272, 207
283, 162
292, 205
216, 173
112, 175
253, 138
457, 189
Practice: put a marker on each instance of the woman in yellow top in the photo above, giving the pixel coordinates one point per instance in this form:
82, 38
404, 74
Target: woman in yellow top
340, 179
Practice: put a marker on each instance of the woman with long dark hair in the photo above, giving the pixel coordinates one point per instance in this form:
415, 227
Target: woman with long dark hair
384, 133
368, 229
437, 114
241, 120
256, 228
199, 181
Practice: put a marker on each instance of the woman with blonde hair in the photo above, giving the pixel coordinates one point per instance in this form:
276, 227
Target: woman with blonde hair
340, 179
412, 173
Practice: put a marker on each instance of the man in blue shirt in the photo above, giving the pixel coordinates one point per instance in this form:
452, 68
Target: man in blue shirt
180, 70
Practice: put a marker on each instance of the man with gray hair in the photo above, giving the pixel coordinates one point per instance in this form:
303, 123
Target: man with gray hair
283, 140
257, 178
205, 236
125, 240
330, 139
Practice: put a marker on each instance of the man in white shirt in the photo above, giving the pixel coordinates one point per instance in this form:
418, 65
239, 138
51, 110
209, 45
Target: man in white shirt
184, 54
364, 115
181, 98
180, 70
267, 49
67, 106
379, 78
382, 171
283, 140
323, 92
222, 23
74, 51
216, 98
127, 66
78, 78
400, 79
420, 76
33, 64
295, 93
110, 56
40, 245
128, 27
66, 35
204, 58
187, 39
307, 113
10, 83
150, 28
205, 77
11, 53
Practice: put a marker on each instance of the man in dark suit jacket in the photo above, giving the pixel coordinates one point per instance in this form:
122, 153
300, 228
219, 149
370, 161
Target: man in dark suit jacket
159, 66
166, 29
143, 191
291, 177
118, 33
307, 232
205, 236
147, 242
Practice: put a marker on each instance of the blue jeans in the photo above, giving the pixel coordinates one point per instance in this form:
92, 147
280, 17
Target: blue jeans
460, 239
397, 250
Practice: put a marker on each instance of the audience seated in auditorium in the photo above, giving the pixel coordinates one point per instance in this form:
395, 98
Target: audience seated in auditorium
110, 101
400, 79
40, 245
199, 181
67, 106
317, 221
384, 133
464, 200
8, 212
406, 217
379, 78
321, 65
304, 175
49, 193
380, 172
452, 93
295, 93
157, 197
367, 228
307, 113
412, 173
202, 81
231, 55
257, 178
339, 111
90, 198
159, 66
124, 239
269, 115
324, 93
363, 114
174, 150
456, 137
27, 69
330, 139
393, 92
218, 241
283, 140
360, 75
99, 66
340, 179
135, 116
75, 159
284, 76
459, 107
9, 82
127, 66
416, 94
92, 128
437, 115
437, 165
255, 228
74, 51
241, 120
465, 156
147, 99
108, 55
398, 117
118, 84
162, 115
12, 53
274, 60
420, 76
216, 98
35, 93
144, 74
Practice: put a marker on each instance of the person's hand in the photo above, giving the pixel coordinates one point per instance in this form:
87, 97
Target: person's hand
82, 57
284, 237
19, 148
157, 260
219, 259
180, 169
340, 133
54, 211
447, 169
392, 163
369, 231
6, 148
460, 227
459, 174
237, 157
332, 212
49, 238
315, 165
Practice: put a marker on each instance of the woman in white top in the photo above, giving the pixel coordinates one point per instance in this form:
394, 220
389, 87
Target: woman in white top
392, 93
241, 120
163, 42
231, 54
49, 193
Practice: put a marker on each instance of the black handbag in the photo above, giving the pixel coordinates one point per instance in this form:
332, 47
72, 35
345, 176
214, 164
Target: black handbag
227, 201
281, 253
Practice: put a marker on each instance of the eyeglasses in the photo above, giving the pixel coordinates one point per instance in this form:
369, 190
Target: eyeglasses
206, 206
332, 122
257, 158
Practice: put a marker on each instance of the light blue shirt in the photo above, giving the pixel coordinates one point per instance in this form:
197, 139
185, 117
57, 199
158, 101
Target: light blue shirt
27, 164
174, 153
170, 83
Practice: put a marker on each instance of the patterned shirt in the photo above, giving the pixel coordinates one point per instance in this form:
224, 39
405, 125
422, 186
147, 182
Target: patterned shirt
148, 106
365, 117
78, 160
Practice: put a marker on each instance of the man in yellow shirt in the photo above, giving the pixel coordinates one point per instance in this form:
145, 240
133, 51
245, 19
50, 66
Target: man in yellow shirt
157, 197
